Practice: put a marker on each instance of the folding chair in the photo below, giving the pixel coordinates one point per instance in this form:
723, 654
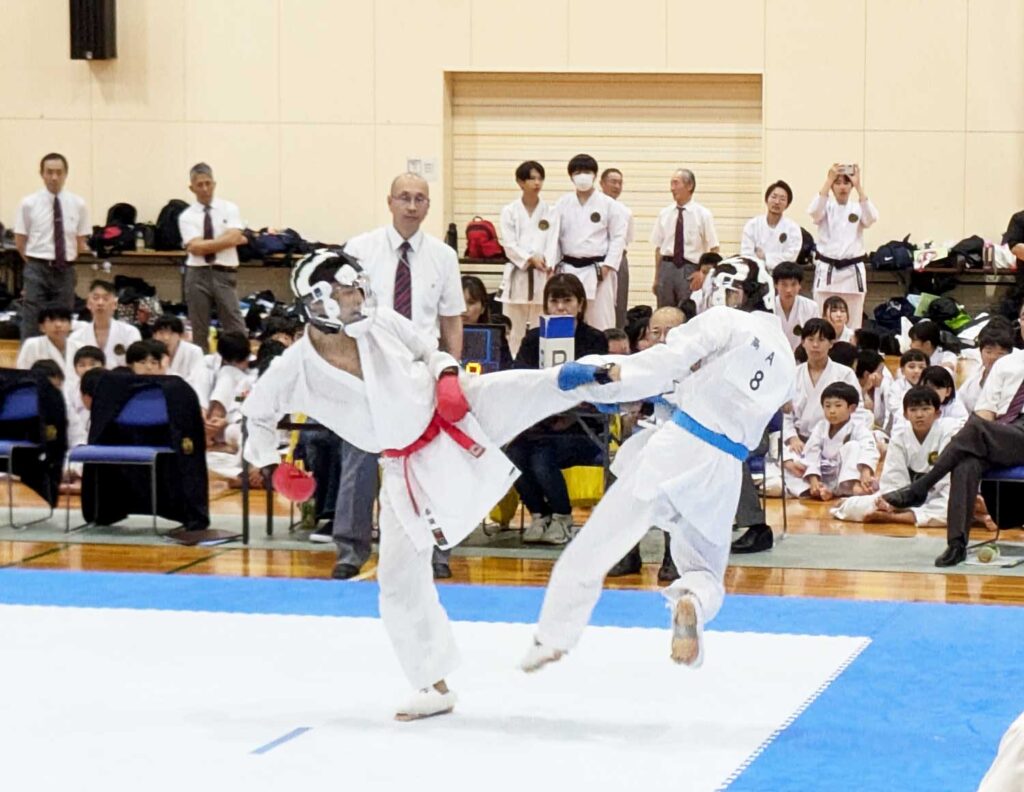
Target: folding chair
146, 408
757, 464
21, 403
996, 478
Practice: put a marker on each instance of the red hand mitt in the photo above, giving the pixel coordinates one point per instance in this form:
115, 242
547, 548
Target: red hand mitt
294, 484
451, 403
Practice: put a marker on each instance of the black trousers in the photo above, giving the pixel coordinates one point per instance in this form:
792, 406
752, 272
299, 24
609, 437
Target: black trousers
978, 447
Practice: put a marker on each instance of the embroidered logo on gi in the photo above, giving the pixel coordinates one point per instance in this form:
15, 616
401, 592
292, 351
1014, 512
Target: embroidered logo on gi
798, 331
50, 433
783, 237
543, 225
595, 217
756, 343
853, 218
933, 457
119, 349
187, 446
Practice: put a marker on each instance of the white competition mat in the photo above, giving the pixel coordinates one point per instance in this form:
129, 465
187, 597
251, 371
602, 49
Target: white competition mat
108, 699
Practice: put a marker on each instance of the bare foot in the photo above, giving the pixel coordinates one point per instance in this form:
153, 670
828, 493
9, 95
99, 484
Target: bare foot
686, 636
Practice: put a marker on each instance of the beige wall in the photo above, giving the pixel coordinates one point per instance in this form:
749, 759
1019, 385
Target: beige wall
307, 108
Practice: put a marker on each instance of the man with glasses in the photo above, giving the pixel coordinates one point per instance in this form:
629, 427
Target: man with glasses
416, 275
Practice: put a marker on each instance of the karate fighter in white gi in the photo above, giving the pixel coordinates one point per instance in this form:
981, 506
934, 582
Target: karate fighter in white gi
370, 377
726, 373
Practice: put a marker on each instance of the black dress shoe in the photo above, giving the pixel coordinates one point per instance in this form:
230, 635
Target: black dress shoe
629, 564
954, 554
668, 572
344, 571
905, 498
442, 571
756, 539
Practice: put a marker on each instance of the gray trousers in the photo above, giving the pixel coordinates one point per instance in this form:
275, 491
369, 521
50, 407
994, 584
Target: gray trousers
622, 295
674, 283
206, 289
353, 509
750, 509
44, 285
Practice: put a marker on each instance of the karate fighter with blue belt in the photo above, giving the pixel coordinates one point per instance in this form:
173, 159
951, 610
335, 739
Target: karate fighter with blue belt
726, 373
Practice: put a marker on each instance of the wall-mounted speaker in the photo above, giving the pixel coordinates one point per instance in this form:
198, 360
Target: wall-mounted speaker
93, 29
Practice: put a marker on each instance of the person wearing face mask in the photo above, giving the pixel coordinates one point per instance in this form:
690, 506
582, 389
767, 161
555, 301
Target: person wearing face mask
591, 240
683, 232
841, 222
771, 237
529, 233
372, 377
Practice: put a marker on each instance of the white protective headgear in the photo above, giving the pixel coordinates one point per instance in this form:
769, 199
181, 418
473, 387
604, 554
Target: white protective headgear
316, 300
744, 275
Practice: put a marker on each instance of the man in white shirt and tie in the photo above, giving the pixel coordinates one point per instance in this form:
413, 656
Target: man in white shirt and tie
683, 232
50, 230
611, 185
416, 275
211, 230
591, 238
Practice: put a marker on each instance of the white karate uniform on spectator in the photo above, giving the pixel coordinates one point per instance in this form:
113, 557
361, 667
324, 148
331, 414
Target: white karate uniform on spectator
803, 309
121, 336
781, 243
807, 411
189, 364
907, 458
42, 348
841, 236
836, 459
525, 235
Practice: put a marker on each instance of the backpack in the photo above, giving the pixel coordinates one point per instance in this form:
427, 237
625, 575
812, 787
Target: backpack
109, 240
123, 213
969, 253
167, 236
264, 243
482, 240
895, 255
807, 248
889, 314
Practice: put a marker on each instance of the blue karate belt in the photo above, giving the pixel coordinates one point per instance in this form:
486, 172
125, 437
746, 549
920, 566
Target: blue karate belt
719, 441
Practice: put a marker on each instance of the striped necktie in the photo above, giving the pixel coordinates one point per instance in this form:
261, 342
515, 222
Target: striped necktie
1016, 407
678, 251
402, 301
60, 254
210, 258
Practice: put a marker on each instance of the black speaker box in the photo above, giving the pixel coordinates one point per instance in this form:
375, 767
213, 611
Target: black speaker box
93, 29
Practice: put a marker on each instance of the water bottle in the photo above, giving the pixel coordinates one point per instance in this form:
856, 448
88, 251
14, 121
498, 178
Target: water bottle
140, 240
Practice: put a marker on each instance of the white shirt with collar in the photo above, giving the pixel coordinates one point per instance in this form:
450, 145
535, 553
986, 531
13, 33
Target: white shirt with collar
225, 215
523, 236
1002, 383
781, 243
434, 266
189, 363
42, 348
803, 309
699, 233
121, 336
35, 221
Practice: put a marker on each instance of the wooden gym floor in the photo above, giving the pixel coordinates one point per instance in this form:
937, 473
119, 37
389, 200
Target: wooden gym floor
803, 518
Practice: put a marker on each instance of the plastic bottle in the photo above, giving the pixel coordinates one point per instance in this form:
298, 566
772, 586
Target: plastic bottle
140, 240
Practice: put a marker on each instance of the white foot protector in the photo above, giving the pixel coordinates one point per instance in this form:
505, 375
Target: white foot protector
687, 632
539, 656
426, 703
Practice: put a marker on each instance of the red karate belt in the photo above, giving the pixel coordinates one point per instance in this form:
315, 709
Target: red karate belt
436, 426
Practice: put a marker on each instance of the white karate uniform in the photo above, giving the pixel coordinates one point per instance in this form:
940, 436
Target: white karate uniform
836, 459
847, 335
42, 348
841, 236
121, 336
803, 309
781, 243
441, 487
669, 478
955, 411
807, 410
945, 358
969, 392
1007, 771
523, 236
595, 228
908, 458
189, 364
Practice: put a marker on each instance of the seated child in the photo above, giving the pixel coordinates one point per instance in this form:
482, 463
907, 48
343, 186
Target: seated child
913, 362
54, 343
230, 387
840, 455
914, 446
926, 336
940, 380
993, 343
837, 313
146, 357
54, 373
186, 359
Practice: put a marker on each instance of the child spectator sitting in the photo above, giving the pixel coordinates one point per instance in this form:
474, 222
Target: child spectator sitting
913, 362
844, 353
78, 428
186, 359
926, 335
544, 450
144, 358
914, 446
940, 380
837, 313
53, 372
993, 343
840, 455
86, 359
870, 368
109, 334
283, 329
812, 378
53, 344
792, 309
478, 312
230, 386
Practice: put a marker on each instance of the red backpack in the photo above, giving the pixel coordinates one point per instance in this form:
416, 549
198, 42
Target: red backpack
482, 240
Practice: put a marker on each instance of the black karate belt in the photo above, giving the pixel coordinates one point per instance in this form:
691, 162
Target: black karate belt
834, 264
583, 263
670, 260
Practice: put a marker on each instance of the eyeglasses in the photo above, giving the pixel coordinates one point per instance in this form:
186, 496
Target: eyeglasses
411, 200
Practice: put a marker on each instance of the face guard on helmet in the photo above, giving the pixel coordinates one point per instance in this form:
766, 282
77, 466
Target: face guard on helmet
342, 302
740, 282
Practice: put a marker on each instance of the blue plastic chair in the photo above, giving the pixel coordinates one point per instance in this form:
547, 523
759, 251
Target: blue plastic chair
21, 403
1012, 475
757, 464
147, 408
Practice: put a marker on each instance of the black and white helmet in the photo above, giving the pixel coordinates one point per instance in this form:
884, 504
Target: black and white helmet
746, 277
315, 294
